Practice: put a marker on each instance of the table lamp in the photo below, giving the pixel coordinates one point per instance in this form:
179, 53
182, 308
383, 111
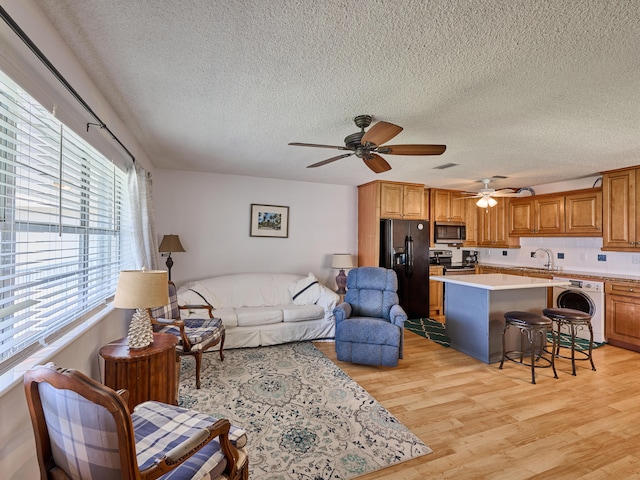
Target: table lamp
141, 289
170, 243
341, 261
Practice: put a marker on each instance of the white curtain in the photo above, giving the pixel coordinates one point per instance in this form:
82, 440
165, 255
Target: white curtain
143, 225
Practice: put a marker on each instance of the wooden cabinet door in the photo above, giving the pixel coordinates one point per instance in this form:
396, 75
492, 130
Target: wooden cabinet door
471, 221
502, 225
457, 207
622, 315
447, 206
549, 215
391, 200
413, 202
521, 217
436, 295
440, 205
583, 213
487, 226
400, 201
620, 210
493, 226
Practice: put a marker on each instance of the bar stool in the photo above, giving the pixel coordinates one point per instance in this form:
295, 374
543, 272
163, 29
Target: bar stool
574, 319
535, 327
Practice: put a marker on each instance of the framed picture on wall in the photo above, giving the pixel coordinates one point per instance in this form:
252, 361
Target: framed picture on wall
269, 221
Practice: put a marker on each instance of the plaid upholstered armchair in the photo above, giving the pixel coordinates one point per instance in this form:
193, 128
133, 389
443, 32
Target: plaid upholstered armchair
195, 336
84, 430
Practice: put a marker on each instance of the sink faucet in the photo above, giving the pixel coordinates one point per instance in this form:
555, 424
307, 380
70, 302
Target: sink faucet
549, 263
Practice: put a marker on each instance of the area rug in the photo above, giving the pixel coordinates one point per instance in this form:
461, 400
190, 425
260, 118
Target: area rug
436, 332
306, 419
428, 328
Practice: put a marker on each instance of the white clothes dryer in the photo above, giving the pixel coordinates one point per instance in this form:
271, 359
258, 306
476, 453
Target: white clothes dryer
586, 296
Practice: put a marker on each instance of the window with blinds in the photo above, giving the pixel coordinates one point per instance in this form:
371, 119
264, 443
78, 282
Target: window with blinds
63, 226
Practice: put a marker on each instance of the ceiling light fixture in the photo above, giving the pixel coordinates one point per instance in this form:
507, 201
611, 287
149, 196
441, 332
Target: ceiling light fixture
486, 201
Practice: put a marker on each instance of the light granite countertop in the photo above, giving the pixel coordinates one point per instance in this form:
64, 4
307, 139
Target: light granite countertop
600, 276
500, 281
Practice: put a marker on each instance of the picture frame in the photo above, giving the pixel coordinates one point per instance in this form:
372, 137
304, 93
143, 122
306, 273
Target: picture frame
269, 221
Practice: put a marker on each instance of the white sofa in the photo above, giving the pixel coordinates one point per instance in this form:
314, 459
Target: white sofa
264, 308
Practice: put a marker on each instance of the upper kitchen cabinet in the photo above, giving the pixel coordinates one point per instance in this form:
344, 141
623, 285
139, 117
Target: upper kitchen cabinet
402, 201
583, 213
447, 206
621, 209
575, 214
493, 226
378, 200
471, 221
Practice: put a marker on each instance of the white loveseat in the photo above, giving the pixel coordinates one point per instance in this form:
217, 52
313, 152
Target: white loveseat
264, 308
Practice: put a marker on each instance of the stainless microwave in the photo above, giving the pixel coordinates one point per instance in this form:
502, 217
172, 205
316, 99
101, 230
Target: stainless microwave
449, 232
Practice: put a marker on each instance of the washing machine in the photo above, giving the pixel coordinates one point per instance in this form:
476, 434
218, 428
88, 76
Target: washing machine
586, 296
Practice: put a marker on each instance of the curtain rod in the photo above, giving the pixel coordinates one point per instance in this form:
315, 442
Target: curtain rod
41, 56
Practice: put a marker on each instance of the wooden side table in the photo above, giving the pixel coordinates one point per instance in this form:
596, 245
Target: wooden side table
148, 373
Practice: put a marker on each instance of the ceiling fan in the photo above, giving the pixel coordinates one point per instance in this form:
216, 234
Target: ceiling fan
368, 145
486, 195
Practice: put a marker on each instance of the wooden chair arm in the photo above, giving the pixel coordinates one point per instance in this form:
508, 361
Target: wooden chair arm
192, 445
209, 308
124, 394
168, 321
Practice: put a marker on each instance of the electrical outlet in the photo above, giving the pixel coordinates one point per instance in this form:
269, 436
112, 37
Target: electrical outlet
602, 258
533, 254
560, 256
504, 253
635, 259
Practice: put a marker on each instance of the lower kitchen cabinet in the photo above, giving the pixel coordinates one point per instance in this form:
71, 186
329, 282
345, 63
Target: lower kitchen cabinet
436, 295
623, 314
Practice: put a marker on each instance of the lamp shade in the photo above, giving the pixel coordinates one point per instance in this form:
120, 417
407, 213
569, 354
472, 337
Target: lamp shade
342, 261
142, 289
171, 243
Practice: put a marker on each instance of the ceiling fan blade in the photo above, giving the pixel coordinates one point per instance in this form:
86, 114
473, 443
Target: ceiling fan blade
377, 163
413, 149
380, 133
505, 192
329, 160
297, 144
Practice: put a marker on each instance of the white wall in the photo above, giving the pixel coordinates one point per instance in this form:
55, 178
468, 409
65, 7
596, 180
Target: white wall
211, 213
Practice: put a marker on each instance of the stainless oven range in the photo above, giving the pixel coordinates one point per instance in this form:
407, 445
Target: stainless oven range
444, 258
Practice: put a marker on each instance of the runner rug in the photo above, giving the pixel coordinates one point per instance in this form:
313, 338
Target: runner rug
436, 332
305, 418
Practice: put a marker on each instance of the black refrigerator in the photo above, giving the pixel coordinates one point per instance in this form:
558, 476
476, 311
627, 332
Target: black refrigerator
404, 246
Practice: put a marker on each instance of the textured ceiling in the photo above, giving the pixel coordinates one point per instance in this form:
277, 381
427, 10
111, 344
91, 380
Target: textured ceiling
538, 91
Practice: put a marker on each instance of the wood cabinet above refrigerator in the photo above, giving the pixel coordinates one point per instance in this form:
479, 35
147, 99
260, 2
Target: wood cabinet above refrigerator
379, 200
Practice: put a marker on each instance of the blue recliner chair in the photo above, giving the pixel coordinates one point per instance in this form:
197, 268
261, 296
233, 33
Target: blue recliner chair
370, 322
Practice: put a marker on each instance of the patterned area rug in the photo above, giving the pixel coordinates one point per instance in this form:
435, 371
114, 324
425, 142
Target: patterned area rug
305, 418
428, 328
435, 331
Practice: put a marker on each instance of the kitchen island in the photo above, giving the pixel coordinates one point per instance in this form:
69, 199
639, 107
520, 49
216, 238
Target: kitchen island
475, 306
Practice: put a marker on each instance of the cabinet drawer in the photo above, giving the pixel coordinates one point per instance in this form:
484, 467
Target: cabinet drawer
628, 289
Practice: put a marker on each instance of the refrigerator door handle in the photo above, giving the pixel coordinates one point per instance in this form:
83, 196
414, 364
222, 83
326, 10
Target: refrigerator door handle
408, 248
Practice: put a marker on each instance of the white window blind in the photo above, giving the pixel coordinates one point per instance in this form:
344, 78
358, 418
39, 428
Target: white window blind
63, 226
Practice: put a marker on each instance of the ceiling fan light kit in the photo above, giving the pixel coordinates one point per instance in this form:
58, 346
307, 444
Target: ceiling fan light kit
367, 145
486, 195
486, 202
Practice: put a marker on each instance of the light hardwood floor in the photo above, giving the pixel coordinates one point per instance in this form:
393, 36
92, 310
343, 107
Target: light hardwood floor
486, 423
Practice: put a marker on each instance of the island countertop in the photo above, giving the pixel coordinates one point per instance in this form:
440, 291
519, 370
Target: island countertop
499, 281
